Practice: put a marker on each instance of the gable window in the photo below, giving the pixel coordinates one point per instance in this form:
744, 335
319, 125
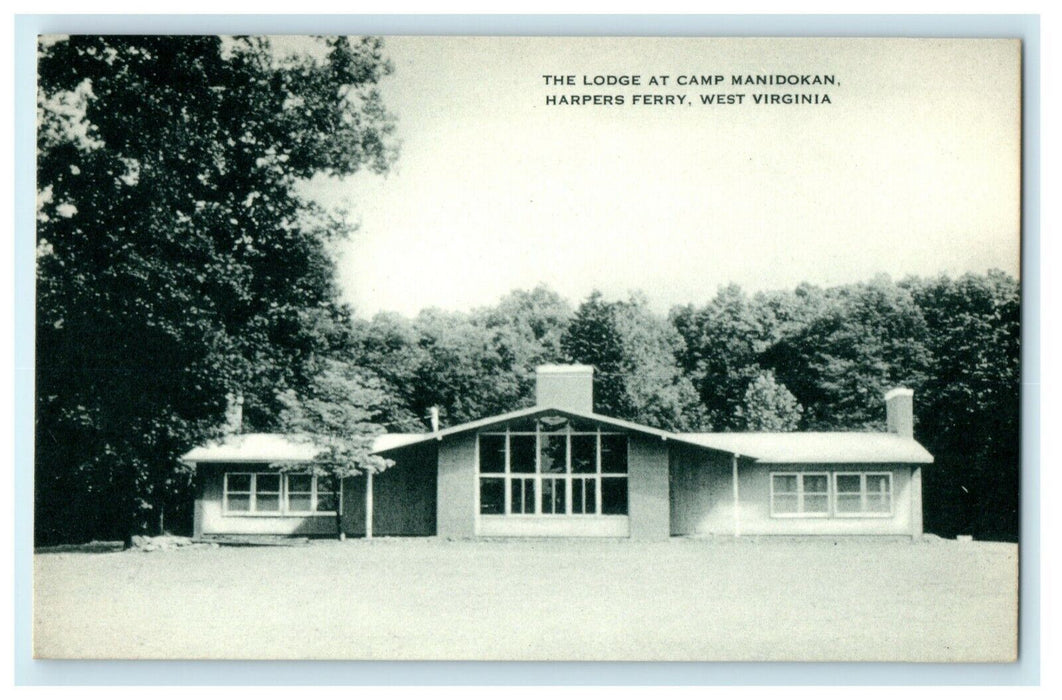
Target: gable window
552, 466
273, 493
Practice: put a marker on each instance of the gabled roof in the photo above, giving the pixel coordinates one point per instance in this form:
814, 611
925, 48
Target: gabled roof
391, 441
408, 439
776, 448
772, 448
817, 448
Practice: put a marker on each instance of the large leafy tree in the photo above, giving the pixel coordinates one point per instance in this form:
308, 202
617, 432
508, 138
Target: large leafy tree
868, 339
634, 353
177, 259
469, 365
726, 339
526, 329
722, 344
970, 406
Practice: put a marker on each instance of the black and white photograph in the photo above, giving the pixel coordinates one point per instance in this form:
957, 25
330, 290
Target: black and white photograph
500, 348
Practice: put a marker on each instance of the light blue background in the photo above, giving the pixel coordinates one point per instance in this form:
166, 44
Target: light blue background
29, 671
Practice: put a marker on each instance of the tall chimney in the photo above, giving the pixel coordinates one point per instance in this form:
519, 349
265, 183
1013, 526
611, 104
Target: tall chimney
233, 414
565, 386
899, 412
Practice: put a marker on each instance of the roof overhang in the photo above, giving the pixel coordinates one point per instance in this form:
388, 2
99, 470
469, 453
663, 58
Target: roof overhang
408, 440
257, 447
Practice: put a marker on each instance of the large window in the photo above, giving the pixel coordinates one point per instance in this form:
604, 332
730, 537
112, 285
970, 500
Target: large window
272, 493
809, 494
552, 466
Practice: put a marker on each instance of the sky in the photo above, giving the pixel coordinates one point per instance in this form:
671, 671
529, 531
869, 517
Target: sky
913, 167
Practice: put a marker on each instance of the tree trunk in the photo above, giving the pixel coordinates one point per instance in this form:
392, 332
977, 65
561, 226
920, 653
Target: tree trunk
368, 504
132, 508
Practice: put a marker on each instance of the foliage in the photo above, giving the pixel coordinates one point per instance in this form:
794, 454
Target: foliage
870, 339
723, 342
339, 410
970, 406
634, 353
469, 365
768, 406
177, 261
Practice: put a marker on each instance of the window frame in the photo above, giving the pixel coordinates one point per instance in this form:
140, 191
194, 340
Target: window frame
863, 512
832, 494
284, 511
800, 493
565, 478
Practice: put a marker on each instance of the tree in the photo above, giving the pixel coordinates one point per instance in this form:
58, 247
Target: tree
723, 342
768, 406
340, 410
633, 351
469, 365
869, 338
527, 328
177, 260
970, 404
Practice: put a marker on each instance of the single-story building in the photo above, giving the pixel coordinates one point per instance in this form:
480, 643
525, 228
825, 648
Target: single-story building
559, 469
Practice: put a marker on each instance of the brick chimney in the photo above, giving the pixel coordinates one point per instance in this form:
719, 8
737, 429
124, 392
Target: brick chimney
233, 414
565, 386
899, 412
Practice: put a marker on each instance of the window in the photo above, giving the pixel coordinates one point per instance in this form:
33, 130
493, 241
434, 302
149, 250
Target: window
863, 494
271, 493
552, 466
800, 494
809, 494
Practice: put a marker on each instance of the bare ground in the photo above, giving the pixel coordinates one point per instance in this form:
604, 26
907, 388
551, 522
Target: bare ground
824, 600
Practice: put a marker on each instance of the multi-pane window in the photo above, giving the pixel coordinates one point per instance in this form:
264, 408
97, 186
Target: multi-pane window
862, 494
275, 493
552, 466
802, 493
808, 494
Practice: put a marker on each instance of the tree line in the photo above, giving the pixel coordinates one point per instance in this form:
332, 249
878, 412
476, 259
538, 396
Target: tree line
808, 359
179, 262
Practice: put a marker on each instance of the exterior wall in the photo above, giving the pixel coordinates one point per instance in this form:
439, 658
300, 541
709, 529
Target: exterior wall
916, 502
647, 488
647, 499
553, 526
404, 495
702, 499
456, 514
209, 519
700, 486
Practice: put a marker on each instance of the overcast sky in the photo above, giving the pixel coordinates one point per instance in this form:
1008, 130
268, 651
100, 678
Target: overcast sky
912, 168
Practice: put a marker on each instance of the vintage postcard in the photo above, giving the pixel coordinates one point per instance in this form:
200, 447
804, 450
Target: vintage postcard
513, 348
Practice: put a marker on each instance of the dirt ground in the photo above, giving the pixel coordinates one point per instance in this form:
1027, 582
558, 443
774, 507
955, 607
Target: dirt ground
824, 600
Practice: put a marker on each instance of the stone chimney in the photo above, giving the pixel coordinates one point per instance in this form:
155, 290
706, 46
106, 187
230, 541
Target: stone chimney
565, 386
234, 414
899, 412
